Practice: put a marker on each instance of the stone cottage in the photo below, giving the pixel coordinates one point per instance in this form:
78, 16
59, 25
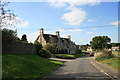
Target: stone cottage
61, 44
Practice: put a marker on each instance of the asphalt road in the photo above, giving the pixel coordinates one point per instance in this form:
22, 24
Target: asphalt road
77, 69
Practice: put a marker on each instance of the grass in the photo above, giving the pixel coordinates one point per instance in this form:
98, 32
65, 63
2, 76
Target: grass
69, 56
113, 62
110, 61
27, 66
116, 53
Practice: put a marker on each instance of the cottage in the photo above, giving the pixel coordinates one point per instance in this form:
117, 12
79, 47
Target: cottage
61, 44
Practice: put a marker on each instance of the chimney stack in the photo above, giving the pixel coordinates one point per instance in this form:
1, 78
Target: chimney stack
69, 37
57, 33
42, 31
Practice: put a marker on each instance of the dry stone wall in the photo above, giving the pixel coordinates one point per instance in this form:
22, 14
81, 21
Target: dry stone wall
18, 48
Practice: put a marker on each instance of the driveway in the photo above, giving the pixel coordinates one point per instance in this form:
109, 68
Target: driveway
78, 69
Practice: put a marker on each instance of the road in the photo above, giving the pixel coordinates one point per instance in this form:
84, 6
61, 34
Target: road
78, 69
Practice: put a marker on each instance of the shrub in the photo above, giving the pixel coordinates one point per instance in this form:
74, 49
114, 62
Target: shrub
44, 53
38, 46
105, 55
49, 47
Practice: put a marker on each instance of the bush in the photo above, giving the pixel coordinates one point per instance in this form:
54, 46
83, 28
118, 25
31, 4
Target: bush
44, 53
105, 55
49, 47
38, 46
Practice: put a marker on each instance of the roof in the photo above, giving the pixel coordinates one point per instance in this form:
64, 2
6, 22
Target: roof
47, 37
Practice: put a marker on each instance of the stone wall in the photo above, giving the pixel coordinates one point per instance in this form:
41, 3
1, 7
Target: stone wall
18, 48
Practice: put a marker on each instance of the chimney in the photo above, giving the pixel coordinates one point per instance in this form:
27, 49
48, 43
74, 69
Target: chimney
42, 31
69, 37
57, 33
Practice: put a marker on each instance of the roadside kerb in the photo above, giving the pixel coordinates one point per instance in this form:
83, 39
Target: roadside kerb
107, 69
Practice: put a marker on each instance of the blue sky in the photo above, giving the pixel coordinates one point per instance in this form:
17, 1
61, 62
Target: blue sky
69, 18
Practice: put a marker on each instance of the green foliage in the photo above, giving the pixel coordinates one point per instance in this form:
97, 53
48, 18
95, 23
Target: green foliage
38, 46
115, 44
44, 53
84, 47
24, 38
27, 66
49, 47
105, 55
110, 61
100, 42
8, 36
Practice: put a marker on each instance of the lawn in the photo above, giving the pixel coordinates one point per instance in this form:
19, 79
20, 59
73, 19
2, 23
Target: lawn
69, 56
27, 66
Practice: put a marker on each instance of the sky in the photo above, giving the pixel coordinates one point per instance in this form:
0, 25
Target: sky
82, 21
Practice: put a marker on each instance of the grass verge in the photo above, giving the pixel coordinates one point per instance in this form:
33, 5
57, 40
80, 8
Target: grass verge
112, 61
27, 66
69, 56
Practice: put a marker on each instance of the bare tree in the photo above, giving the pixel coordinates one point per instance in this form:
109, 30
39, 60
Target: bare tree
7, 17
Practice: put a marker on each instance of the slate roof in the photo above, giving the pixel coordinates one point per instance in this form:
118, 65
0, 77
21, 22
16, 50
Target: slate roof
47, 37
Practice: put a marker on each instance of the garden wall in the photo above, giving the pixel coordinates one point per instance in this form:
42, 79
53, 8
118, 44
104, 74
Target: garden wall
18, 48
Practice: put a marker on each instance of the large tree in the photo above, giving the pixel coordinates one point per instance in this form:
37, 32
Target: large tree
100, 42
7, 17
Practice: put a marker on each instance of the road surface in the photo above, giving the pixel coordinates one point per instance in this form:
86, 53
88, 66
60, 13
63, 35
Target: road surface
78, 69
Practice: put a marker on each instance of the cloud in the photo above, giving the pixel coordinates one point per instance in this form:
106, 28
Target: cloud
90, 32
61, 30
75, 17
63, 3
57, 3
115, 23
75, 30
20, 22
90, 20
48, 32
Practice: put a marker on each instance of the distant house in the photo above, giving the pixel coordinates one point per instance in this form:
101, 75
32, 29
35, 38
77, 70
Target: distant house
89, 49
61, 44
115, 48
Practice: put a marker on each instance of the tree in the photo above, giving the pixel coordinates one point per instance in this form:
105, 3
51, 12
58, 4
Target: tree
8, 36
100, 42
115, 44
7, 17
24, 38
49, 47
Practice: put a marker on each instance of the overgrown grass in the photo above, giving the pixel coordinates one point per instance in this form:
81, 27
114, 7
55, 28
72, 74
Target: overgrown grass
116, 53
69, 56
113, 62
27, 66
110, 61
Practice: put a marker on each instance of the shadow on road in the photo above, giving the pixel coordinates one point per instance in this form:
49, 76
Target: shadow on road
77, 76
